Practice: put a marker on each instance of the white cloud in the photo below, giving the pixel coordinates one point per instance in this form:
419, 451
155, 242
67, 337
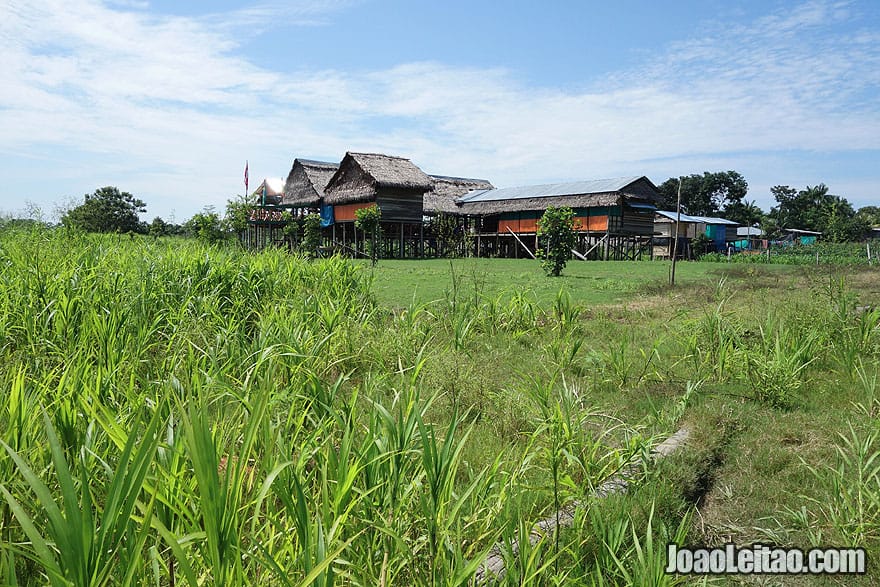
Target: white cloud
171, 110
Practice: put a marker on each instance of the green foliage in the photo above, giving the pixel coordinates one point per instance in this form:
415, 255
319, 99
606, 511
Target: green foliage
368, 220
836, 254
312, 236
709, 194
107, 210
206, 226
556, 229
238, 211
745, 213
177, 413
292, 227
701, 244
158, 227
813, 208
452, 240
870, 215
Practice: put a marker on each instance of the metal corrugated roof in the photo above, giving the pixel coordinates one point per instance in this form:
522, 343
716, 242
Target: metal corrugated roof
597, 186
695, 219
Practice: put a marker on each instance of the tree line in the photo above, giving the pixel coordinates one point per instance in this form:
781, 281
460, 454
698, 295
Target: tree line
723, 194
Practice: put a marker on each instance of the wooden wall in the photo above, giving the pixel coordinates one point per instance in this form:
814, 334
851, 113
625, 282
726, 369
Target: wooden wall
400, 205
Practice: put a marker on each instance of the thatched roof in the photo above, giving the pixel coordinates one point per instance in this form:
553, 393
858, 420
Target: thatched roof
306, 181
578, 194
274, 188
361, 175
446, 189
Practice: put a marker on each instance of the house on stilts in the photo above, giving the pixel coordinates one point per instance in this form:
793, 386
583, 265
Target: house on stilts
614, 218
396, 186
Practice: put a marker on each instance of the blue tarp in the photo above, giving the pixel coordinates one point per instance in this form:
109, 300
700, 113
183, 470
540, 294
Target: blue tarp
326, 215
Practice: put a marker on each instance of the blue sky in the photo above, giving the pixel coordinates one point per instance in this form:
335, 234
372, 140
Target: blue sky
167, 100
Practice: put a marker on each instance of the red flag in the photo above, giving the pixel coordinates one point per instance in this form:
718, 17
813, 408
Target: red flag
245, 178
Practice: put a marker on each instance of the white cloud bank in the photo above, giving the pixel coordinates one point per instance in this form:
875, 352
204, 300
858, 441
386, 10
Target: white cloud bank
164, 107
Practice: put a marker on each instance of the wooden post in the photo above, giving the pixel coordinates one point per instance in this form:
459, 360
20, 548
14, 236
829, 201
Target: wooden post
677, 227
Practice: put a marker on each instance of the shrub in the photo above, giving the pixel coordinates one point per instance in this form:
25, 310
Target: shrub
557, 229
367, 220
311, 230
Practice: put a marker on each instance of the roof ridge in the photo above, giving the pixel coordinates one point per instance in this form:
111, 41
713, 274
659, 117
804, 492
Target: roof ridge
379, 155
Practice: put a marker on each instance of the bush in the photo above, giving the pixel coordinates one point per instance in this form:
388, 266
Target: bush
367, 220
311, 228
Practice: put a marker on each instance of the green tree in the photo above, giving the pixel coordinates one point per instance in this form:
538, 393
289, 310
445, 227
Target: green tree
709, 194
556, 229
238, 212
206, 226
158, 227
745, 213
870, 215
107, 210
368, 220
813, 208
311, 240
291, 228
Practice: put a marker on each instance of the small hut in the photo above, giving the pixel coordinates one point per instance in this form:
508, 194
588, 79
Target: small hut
265, 221
269, 192
613, 217
719, 230
304, 188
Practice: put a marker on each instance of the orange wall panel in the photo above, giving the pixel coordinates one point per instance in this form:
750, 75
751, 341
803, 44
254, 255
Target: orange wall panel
518, 225
530, 225
593, 223
505, 224
345, 212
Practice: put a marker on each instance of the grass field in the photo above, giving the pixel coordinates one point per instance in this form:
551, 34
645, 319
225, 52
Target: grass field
399, 283
179, 414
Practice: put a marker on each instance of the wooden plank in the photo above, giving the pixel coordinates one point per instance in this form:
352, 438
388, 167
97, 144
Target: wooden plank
493, 568
522, 244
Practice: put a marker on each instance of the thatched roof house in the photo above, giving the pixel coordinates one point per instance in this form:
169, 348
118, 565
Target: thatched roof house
306, 181
395, 184
617, 206
447, 189
578, 194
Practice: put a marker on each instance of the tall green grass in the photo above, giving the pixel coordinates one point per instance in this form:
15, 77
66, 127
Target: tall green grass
174, 413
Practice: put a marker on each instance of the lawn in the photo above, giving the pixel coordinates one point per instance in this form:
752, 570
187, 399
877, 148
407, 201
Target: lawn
398, 283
